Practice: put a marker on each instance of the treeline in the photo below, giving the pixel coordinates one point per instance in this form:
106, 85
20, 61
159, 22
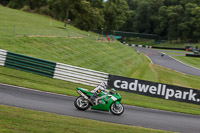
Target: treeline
174, 19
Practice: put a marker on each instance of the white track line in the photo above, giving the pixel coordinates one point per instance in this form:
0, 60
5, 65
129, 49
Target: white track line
36, 90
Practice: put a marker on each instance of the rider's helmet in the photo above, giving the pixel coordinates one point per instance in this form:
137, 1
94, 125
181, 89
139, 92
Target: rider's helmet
104, 85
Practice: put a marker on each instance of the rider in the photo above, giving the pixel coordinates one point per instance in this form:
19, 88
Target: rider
98, 89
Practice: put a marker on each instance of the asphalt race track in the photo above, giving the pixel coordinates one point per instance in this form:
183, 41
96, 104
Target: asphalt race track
168, 62
64, 105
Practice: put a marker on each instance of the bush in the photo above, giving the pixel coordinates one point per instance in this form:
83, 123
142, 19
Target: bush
45, 10
26, 8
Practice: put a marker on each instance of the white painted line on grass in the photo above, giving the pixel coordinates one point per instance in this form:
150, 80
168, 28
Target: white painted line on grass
149, 58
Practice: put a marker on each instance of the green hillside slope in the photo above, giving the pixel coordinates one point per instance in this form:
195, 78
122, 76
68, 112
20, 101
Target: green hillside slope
113, 57
85, 52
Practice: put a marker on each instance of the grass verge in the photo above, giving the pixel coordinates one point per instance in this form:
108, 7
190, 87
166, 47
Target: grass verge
192, 61
17, 120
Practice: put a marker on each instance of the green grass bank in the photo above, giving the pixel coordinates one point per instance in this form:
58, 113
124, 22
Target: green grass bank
22, 120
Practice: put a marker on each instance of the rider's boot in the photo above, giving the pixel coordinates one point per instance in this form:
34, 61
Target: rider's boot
91, 101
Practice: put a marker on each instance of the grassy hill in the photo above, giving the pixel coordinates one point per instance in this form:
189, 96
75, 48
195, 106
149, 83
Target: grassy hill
114, 58
85, 52
57, 43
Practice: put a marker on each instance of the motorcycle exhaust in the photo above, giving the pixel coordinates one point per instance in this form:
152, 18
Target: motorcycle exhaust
86, 97
82, 94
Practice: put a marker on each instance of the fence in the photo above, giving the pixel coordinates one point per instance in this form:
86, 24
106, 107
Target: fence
68, 32
3, 54
132, 34
79, 75
51, 32
52, 69
30, 64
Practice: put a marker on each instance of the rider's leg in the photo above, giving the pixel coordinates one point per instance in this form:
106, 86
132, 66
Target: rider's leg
93, 97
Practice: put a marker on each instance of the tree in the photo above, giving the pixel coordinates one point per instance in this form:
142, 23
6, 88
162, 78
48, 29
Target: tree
129, 24
4, 2
184, 31
32, 4
116, 13
162, 28
195, 21
171, 2
87, 17
146, 18
65, 6
97, 3
18, 4
185, 28
174, 15
142, 19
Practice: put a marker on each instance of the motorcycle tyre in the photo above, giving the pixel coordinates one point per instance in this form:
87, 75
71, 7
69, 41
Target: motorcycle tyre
78, 107
113, 104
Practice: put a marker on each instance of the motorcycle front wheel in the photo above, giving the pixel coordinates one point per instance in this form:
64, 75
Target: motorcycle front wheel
81, 103
116, 110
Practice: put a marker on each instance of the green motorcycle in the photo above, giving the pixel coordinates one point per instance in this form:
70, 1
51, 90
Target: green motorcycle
105, 101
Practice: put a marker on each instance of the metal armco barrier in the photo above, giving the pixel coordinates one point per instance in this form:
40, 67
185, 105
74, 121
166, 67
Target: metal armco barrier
30, 64
3, 54
79, 75
135, 45
154, 89
52, 69
192, 55
168, 48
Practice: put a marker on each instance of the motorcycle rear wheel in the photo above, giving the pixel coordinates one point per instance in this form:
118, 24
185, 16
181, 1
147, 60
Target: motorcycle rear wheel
81, 103
117, 110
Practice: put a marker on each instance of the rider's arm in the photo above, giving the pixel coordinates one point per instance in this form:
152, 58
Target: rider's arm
106, 90
95, 89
